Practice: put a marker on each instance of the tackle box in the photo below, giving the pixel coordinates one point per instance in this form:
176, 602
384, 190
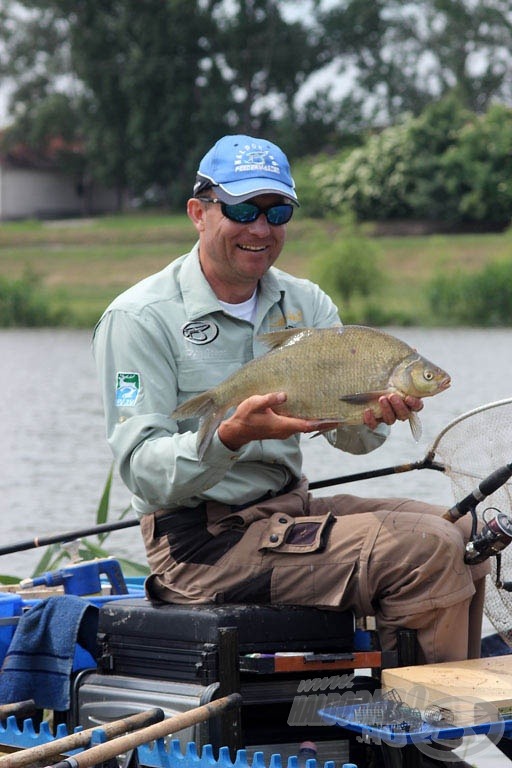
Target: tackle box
201, 643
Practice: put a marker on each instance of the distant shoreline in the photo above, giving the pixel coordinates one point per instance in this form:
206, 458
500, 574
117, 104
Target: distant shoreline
82, 264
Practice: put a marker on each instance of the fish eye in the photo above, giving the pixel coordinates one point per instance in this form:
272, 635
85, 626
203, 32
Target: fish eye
428, 375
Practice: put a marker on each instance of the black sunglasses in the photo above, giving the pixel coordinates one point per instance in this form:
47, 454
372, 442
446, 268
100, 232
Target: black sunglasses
245, 213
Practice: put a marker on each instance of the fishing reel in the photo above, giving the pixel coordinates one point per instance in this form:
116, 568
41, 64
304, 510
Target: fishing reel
496, 533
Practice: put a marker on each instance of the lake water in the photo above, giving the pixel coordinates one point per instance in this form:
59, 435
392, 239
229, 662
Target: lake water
54, 458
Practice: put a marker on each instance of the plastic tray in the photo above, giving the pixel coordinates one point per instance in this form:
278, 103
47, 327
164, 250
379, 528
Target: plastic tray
350, 717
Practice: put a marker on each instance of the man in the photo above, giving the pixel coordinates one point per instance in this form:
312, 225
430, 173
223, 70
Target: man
239, 525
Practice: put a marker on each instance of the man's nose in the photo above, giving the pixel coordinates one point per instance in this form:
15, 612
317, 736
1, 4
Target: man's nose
260, 226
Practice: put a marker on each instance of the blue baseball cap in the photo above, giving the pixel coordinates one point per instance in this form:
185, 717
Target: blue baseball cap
240, 167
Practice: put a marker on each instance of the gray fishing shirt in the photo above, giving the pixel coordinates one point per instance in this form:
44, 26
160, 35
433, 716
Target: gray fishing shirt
166, 339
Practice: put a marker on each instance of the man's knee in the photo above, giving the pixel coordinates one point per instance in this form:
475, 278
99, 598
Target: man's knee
422, 558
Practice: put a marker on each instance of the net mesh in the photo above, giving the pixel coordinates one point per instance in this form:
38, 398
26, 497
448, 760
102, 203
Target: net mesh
470, 448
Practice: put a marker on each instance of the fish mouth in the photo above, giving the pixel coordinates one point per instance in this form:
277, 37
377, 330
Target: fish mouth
445, 383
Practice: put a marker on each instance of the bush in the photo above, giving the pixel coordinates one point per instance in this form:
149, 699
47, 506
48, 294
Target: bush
370, 182
480, 299
23, 304
478, 168
446, 165
309, 187
350, 268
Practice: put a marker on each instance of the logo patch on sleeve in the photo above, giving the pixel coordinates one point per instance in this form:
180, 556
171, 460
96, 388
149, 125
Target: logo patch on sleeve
127, 389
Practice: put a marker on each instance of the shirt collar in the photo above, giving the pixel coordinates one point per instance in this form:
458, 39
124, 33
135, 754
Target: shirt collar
199, 298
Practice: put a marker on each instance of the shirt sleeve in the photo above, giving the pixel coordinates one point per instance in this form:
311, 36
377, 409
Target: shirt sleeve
156, 462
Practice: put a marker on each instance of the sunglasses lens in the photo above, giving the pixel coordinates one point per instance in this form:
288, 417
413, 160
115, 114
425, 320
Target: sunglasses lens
279, 214
242, 213
245, 213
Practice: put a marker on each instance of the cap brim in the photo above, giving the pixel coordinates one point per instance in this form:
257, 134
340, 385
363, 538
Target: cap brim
240, 191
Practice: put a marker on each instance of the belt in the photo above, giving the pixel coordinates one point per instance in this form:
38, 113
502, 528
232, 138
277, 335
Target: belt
165, 521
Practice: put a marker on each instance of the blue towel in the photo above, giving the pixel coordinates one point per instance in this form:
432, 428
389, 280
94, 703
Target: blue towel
39, 662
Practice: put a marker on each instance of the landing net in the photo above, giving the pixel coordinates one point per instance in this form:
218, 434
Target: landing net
470, 448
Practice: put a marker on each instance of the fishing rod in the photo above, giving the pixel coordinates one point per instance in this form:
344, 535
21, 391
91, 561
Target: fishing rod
425, 463
101, 753
441, 442
61, 538
58, 538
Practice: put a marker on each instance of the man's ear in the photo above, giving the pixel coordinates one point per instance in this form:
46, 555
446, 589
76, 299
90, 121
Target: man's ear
196, 211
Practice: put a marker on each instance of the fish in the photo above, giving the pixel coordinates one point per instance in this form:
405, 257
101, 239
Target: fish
329, 374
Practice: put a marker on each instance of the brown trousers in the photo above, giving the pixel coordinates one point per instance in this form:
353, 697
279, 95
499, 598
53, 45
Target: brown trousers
395, 559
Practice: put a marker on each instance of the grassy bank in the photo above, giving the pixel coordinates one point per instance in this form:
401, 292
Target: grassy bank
82, 265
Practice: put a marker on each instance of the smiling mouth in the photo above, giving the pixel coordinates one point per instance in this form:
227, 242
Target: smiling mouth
253, 248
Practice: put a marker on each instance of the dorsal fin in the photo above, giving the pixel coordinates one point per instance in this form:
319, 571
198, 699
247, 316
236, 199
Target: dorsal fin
280, 338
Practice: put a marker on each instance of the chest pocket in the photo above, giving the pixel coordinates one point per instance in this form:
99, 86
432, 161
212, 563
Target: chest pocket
194, 378
197, 375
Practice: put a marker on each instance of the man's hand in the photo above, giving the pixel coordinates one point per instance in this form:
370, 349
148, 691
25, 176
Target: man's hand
394, 408
255, 419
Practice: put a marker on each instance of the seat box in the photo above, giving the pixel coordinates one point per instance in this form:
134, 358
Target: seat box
161, 654
198, 643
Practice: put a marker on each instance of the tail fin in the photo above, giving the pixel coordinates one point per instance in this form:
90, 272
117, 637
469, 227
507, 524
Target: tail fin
207, 410
196, 406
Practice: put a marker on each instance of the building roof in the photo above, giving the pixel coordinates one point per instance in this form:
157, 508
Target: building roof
22, 156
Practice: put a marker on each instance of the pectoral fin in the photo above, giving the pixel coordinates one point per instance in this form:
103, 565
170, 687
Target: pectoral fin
362, 398
415, 424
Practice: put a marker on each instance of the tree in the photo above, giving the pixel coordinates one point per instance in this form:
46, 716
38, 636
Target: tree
156, 82
34, 55
406, 54
149, 85
142, 63
45, 101
265, 59
6, 32
143, 96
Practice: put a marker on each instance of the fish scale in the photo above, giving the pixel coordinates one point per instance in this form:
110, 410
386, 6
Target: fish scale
330, 374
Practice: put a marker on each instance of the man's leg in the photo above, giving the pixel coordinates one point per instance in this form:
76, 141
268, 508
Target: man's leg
410, 572
347, 504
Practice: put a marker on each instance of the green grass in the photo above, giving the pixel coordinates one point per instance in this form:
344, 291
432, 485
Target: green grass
82, 265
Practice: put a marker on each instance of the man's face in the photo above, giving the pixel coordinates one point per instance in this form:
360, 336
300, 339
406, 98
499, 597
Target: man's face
232, 253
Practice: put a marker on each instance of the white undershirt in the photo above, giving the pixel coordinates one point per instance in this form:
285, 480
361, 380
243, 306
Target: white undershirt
245, 310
